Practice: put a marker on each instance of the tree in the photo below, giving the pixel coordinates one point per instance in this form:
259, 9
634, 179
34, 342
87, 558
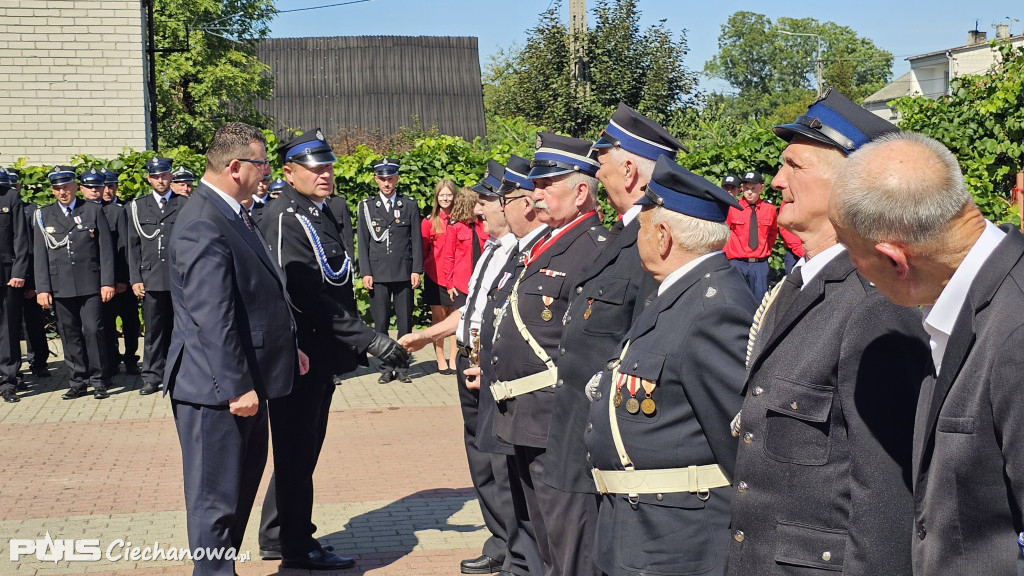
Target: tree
982, 123
771, 70
210, 75
643, 68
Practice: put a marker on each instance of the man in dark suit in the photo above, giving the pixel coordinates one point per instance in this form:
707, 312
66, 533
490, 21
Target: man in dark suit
150, 222
74, 273
305, 241
14, 261
823, 468
390, 256
966, 273
529, 327
657, 435
36, 345
609, 297
125, 302
233, 345
93, 184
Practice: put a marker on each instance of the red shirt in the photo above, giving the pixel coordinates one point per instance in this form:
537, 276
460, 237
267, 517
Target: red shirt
433, 248
457, 260
738, 245
792, 242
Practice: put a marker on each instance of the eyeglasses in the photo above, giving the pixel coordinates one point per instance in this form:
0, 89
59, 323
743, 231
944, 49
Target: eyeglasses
253, 161
506, 199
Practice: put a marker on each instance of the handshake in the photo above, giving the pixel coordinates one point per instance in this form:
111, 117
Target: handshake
388, 352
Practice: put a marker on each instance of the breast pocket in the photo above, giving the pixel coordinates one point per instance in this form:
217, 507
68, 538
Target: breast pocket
955, 425
641, 365
798, 422
539, 293
604, 300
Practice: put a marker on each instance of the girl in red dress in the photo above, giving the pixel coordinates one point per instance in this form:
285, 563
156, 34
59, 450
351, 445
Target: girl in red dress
433, 230
464, 243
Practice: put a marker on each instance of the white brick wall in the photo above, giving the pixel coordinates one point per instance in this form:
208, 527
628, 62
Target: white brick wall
65, 92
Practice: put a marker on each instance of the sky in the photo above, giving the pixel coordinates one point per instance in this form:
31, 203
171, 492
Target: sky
903, 27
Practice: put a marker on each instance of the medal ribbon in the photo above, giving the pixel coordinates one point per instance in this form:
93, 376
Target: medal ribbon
540, 247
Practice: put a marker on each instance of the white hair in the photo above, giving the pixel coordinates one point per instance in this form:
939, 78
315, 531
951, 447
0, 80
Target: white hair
692, 234
644, 166
890, 197
572, 179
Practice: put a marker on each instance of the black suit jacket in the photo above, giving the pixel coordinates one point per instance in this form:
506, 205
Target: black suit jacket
339, 207
525, 419
969, 437
15, 238
614, 288
118, 223
690, 341
329, 328
397, 258
147, 259
826, 437
85, 263
233, 331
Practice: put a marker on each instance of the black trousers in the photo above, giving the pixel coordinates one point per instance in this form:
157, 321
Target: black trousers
36, 345
222, 458
10, 343
159, 316
80, 323
299, 423
381, 298
127, 305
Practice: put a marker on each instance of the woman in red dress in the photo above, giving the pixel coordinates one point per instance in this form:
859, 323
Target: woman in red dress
464, 243
433, 230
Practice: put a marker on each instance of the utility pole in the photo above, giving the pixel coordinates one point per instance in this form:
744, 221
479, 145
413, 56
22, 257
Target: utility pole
817, 54
577, 32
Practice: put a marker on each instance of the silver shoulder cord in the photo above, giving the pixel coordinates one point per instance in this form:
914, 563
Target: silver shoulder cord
312, 245
138, 226
385, 237
51, 242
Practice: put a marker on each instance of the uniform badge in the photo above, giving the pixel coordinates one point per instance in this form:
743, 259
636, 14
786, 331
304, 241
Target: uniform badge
600, 238
540, 142
313, 211
377, 204
711, 292
399, 203
6, 209
51, 229
290, 209
319, 135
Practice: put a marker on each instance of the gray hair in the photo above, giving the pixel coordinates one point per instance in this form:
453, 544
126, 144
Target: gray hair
572, 179
231, 141
692, 234
644, 166
890, 197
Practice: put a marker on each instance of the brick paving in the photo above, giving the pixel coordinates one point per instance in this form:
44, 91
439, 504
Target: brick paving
392, 486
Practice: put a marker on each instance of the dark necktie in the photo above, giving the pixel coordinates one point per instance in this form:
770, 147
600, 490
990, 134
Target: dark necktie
161, 201
789, 291
387, 206
490, 249
248, 220
752, 241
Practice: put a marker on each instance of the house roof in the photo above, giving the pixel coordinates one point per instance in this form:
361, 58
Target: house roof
896, 89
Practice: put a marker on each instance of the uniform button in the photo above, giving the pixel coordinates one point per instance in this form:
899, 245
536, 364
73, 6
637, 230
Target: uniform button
738, 535
568, 319
589, 426
579, 289
921, 533
741, 487
600, 292
598, 395
758, 390
559, 383
708, 275
540, 287
588, 456
826, 555
793, 405
659, 497
636, 365
561, 351
748, 437
494, 360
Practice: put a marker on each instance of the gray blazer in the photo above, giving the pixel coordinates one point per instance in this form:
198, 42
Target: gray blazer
969, 437
823, 467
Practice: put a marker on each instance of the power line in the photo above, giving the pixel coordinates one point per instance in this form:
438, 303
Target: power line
319, 7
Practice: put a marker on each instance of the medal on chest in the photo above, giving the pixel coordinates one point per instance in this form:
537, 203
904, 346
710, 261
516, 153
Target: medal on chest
546, 315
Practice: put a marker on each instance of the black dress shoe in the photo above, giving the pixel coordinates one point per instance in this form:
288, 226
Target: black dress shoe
40, 371
21, 385
9, 396
148, 389
405, 378
73, 393
482, 565
319, 559
270, 553
386, 377
100, 392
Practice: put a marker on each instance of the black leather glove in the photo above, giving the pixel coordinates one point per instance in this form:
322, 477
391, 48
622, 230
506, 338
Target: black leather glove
389, 352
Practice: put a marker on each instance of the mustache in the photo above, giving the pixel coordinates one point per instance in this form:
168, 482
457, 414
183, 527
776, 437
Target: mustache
540, 205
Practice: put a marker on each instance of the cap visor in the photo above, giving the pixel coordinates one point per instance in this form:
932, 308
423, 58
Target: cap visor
386, 172
787, 131
316, 159
485, 191
548, 171
602, 142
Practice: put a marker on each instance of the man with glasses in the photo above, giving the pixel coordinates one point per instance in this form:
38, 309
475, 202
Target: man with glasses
390, 256
606, 300
753, 228
305, 241
74, 273
150, 222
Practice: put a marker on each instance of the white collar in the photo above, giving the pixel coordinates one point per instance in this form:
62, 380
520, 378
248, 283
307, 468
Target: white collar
680, 272
810, 268
525, 240
385, 199
631, 214
235, 205
157, 197
70, 207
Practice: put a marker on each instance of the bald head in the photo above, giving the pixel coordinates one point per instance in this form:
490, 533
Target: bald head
903, 187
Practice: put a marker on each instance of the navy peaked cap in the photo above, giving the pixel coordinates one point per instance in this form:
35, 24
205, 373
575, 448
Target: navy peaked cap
14, 174
636, 133
61, 175
182, 174
557, 155
679, 190
109, 176
517, 175
836, 121
386, 167
276, 185
93, 178
491, 182
308, 149
157, 165
5, 178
